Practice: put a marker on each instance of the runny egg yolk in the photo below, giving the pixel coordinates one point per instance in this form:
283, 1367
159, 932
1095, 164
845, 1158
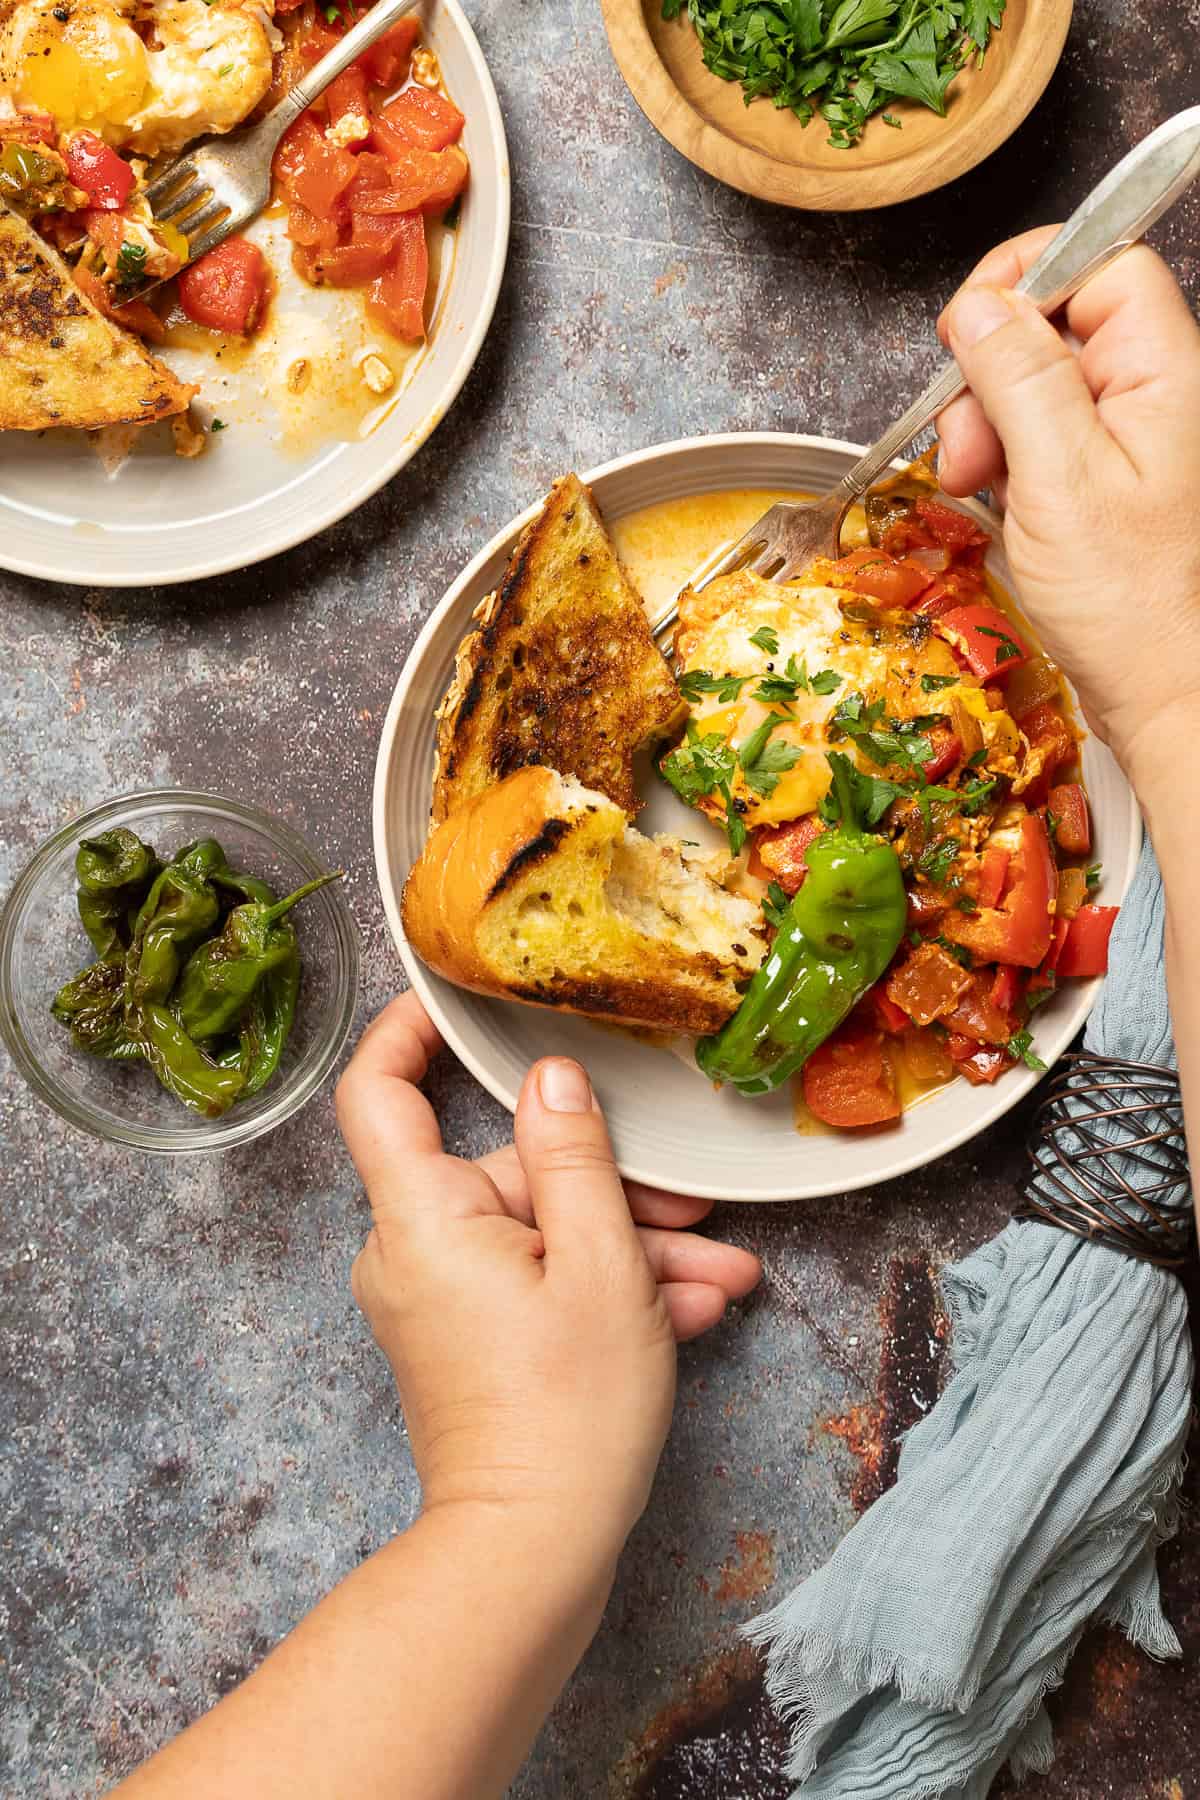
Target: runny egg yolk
89, 68
812, 635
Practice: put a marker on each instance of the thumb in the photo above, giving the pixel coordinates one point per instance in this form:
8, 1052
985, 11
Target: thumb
1027, 381
562, 1141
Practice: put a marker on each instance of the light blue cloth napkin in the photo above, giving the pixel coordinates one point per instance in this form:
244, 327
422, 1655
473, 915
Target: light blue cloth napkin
1029, 1502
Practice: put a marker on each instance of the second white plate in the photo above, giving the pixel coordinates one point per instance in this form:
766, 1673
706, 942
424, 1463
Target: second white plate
274, 477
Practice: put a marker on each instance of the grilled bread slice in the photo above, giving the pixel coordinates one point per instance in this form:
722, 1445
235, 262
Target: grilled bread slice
61, 361
539, 890
560, 670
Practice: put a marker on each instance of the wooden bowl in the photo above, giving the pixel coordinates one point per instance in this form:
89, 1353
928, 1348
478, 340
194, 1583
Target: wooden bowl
767, 152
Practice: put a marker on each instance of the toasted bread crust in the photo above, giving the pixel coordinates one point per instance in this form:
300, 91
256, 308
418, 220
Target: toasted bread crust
483, 856
61, 361
560, 671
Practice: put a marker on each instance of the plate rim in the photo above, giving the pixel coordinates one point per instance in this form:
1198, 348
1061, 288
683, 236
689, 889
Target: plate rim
765, 177
344, 502
1003, 1097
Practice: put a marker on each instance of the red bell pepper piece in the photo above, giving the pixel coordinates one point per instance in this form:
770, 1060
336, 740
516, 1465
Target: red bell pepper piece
890, 1017
1085, 948
849, 1080
1006, 990
779, 852
947, 752
952, 529
1069, 805
426, 118
880, 577
106, 178
976, 1015
1019, 930
227, 289
984, 639
992, 875
928, 984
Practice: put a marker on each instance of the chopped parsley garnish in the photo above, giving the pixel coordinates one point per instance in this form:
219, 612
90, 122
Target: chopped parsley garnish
694, 683
765, 639
976, 758
225, 69
775, 905
1091, 876
217, 425
701, 766
965, 904
846, 59
938, 858
1051, 826
872, 794
959, 952
973, 796
332, 14
763, 762
131, 265
933, 684
795, 680
895, 745
1020, 1046
1007, 648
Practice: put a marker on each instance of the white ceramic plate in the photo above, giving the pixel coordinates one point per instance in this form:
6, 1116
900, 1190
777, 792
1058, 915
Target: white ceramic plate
668, 1126
269, 480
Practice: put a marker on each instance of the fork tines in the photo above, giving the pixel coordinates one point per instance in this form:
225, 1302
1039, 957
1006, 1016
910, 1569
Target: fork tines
180, 197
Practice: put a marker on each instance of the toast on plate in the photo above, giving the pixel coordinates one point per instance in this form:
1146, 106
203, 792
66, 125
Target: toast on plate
61, 361
539, 890
560, 669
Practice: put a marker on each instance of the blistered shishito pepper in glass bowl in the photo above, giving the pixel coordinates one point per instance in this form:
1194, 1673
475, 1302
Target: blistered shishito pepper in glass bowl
152, 937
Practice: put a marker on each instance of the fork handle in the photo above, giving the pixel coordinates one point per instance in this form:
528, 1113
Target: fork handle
1117, 212
360, 37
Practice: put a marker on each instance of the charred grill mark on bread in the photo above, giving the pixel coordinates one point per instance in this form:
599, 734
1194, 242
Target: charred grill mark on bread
536, 850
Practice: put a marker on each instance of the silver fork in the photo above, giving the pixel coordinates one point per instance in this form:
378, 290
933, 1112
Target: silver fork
1117, 212
221, 183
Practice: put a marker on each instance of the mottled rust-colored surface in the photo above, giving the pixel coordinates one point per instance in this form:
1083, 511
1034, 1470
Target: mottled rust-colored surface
198, 1437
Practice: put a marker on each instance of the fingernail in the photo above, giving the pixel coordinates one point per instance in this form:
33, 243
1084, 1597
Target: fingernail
563, 1086
976, 313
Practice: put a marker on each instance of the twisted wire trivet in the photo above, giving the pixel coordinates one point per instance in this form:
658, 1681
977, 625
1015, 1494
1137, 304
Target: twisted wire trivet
1075, 1181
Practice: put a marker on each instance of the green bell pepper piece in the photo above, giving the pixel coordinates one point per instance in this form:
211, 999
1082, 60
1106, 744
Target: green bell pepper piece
839, 934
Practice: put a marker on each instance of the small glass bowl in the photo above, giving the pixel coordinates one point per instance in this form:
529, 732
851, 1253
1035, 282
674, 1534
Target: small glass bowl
42, 945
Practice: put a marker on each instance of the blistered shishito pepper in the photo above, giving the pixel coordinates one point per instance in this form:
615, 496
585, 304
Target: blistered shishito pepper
182, 1066
180, 909
112, 872
221, 978
91, 1005
838, 936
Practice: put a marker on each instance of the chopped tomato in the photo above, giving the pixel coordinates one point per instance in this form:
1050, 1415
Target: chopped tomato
1007, 987
992, 873
106, 178
890, 1017
346, 100
135, 315
977, 1016
304, 228
849, 1080
926, 1055
925, 905
385, 64
984, 639
426, 118
1019, 930
947, 751
928, 984
29, 125
1084, 950
781, 852
396, 299
311, 171
1048, 732
227, 289
905, 534
382, 231
1069, 805
350, 265
881, 577
952, 529
980, 1063
372, 177
429, 179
